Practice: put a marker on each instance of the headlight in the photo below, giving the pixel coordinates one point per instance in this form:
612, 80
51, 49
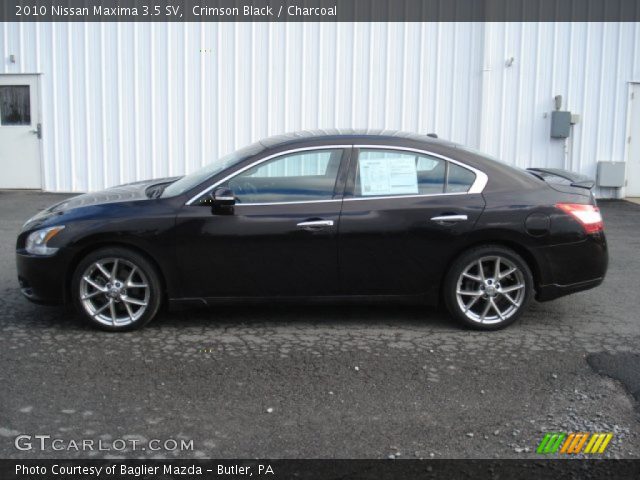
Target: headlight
37, 241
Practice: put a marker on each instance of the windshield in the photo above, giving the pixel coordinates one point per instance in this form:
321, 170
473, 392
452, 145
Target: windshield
194, 179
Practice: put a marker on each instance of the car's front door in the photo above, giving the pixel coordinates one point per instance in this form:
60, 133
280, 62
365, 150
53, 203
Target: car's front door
403, 217
280, 238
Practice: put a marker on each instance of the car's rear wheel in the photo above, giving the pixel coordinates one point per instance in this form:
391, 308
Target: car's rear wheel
116, 289
488, 287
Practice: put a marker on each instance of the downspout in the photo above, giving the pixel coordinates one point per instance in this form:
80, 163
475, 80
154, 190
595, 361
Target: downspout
486, 88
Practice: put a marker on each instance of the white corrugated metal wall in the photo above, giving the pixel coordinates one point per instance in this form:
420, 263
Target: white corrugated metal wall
130, 101
589, 64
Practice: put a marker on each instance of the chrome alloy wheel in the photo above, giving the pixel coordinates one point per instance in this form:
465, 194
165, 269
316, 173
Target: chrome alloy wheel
114, 291
490, 290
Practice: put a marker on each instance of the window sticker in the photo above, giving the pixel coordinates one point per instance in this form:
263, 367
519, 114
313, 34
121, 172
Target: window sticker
388, 176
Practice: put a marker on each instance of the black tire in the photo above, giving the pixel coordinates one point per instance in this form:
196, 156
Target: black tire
476, 316
123, 298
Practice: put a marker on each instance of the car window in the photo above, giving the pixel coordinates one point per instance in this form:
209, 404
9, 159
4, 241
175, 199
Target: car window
194, 179
459, 179
296, 177
390, 172
296, 165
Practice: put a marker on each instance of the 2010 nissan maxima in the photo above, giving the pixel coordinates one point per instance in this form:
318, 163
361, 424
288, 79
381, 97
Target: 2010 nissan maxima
322, 215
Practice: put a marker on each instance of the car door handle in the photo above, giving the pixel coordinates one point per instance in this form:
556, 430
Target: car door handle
450, 218
315, 224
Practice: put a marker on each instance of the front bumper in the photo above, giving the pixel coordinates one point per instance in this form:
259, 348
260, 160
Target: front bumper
42, 279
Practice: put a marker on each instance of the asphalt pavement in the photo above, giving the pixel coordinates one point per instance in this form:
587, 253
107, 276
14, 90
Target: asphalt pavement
314, 381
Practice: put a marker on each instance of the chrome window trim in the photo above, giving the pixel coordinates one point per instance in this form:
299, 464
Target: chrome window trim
477, 187
258, 162
415, 195
288, 203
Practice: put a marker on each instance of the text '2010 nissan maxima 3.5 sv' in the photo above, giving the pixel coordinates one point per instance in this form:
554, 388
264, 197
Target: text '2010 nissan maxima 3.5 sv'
322, 215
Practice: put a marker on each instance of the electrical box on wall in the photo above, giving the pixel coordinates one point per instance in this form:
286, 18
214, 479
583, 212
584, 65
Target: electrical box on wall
560, 124
611, 174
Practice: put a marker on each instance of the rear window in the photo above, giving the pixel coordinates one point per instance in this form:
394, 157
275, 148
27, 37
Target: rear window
491, 158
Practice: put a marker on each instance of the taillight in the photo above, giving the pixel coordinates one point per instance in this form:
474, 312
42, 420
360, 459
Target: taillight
587, 215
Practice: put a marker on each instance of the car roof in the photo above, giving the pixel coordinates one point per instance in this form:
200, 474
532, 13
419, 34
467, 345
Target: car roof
350, 135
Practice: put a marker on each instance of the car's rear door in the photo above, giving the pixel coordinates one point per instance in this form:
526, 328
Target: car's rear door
405, 213
280, 239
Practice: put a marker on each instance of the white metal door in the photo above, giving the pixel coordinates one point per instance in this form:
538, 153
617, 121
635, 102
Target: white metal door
20, 132
633, 155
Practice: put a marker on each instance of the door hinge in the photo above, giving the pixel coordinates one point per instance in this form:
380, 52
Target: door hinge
629, 139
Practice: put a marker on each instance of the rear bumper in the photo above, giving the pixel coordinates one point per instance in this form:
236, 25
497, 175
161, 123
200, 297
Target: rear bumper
42, 279
551, 292
573, 267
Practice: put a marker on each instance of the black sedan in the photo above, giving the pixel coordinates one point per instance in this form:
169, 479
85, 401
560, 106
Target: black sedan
328, 215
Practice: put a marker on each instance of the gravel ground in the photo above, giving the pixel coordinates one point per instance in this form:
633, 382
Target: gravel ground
320, 381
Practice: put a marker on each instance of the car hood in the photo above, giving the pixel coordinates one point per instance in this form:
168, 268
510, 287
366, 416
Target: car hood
122, 193
130, 192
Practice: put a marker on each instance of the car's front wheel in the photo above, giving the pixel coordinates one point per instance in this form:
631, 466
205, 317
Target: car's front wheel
116, 289
488, 287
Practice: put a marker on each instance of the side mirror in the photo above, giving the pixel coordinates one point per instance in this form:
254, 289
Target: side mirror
222, 201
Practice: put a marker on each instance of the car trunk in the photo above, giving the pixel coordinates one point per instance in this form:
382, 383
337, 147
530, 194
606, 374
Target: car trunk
565, 181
